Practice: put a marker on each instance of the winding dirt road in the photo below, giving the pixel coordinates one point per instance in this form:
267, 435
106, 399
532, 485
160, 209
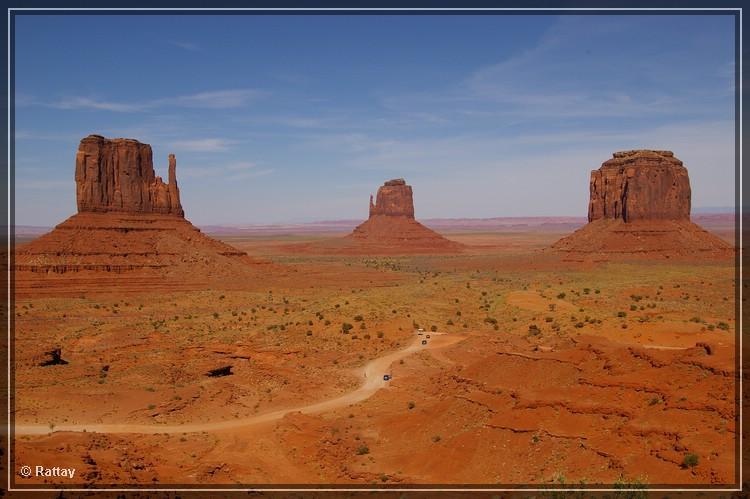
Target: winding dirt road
372, 373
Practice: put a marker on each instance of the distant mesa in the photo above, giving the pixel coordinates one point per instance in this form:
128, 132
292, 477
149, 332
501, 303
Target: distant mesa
392, 229
639, 206
130, 230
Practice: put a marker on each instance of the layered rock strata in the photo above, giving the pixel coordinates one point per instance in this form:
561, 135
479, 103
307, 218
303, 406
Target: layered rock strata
117, 175
130, 232
640, 185
391, 227
639, 206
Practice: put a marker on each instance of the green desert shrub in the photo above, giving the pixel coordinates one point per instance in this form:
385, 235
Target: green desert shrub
690, 460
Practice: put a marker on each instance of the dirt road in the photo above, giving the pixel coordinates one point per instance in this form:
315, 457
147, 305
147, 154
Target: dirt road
372, 374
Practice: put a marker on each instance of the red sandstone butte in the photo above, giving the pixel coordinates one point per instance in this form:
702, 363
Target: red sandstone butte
394, 199
118, 175
639, 206
392, 229
130, 231
640, 185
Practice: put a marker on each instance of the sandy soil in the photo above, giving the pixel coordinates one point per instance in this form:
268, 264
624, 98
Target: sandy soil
372, 375
548, 372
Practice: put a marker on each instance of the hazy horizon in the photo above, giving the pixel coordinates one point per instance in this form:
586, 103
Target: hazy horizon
294, 119
696, 211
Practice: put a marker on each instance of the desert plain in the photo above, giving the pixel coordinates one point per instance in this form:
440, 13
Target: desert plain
501, 352
544, 371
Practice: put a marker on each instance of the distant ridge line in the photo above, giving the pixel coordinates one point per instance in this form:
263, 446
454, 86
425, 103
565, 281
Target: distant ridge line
709, 216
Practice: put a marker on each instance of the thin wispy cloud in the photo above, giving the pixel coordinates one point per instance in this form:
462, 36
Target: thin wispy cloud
193, 47
563, 158
22, 99
220, 99
510, 109
515, 165
160, 128
241, 166
223, 172
97, 104
568, 74
251, 174
302, 122
326, 119
188, 172
30, 135
202, 145
217, 99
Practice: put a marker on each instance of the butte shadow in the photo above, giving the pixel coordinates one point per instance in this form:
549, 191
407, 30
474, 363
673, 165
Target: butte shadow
391, 229
130, 232
639, 207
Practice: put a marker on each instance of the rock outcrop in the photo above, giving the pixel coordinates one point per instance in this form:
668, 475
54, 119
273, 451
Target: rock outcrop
117, 175
639, 206
392, 229
130, 231
640, 185
394, 199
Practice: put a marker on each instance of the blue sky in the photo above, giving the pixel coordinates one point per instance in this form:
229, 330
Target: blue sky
299, 118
